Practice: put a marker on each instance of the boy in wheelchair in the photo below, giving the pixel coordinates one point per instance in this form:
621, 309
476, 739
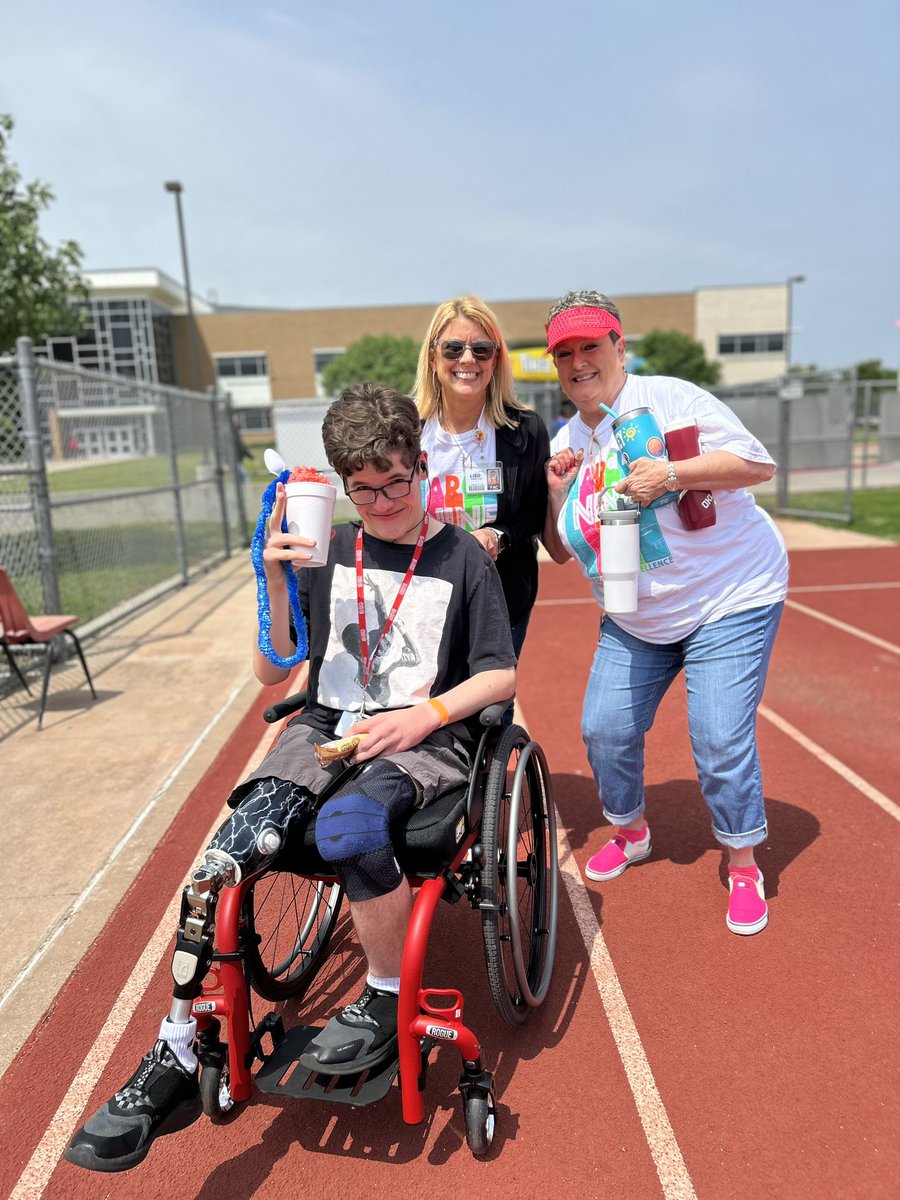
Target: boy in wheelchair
408, 636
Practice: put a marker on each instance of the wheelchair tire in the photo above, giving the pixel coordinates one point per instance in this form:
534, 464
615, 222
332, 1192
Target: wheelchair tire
288, 922
519, 877
215, 1092
480, 1113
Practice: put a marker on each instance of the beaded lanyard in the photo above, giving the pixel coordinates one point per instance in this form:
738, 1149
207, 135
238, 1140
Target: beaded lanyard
262, 588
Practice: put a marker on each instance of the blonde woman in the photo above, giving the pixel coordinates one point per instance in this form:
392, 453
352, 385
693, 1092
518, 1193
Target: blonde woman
486, 452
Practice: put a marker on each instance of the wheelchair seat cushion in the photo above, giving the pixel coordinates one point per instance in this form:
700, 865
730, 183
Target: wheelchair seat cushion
425, 841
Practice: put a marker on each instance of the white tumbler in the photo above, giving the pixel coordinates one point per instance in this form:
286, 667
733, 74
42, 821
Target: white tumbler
620, 558
309, 514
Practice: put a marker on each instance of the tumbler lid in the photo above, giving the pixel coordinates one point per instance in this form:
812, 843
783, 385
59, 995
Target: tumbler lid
620, 516
629, 416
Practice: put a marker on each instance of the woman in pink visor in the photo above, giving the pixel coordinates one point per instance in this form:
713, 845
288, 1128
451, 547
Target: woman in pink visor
709, 592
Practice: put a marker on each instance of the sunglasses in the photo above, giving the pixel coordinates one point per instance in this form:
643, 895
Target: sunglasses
454, 349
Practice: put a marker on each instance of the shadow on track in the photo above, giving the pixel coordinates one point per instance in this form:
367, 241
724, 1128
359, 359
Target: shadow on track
681, 825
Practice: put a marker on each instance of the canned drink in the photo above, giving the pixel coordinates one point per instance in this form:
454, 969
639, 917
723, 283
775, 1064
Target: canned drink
638, 435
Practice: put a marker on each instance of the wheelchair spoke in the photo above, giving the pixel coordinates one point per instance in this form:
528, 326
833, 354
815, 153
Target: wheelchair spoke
289, 922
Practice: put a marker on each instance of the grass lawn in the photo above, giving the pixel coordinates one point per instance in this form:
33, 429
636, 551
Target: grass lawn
875, 511
153, 471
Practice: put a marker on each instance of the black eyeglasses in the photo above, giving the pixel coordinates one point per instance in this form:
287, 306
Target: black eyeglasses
454, 349
391, 491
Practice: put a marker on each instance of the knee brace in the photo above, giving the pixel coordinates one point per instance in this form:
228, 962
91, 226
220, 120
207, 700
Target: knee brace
353, 830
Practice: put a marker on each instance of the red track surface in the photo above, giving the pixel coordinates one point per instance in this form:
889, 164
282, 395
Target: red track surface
774, 1057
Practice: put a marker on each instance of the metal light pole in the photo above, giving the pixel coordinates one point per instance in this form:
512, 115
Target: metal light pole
173, 185
786, 395
789, 333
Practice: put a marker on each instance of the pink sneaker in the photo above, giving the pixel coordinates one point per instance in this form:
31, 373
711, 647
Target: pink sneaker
747, 908
616, 855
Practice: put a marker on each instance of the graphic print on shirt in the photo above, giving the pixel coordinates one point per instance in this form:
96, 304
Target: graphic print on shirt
449, 502
591, 495
406, 661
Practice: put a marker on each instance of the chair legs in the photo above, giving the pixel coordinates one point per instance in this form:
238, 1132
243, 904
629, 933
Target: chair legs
48, 663
14, 667
87, 673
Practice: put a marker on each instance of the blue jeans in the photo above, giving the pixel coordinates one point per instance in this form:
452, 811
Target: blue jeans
725, 665
518, 632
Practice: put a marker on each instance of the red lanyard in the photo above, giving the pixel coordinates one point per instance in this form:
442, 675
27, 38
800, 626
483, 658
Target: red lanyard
367, 659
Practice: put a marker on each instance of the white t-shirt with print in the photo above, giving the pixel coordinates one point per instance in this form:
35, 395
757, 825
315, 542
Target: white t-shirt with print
448, 497
688, 577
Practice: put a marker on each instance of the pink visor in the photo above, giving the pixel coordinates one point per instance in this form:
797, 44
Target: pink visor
580, 323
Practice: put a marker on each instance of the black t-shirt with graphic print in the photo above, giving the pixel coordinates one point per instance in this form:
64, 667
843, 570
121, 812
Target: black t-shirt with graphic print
452, 623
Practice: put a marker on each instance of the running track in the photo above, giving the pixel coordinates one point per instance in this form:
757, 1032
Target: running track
671, 1059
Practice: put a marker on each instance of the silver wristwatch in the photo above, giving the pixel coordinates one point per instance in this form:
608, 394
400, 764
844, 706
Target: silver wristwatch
502, 539
672, 484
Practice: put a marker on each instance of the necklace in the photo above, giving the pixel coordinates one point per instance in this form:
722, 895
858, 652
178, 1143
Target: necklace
476, 435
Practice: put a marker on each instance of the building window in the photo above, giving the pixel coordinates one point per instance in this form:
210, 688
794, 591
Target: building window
241, 365
321, 359
254, 420
751, 343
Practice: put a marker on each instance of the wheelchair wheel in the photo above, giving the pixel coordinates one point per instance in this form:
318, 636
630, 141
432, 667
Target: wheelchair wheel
519, 881
215, 1091
288, 922
481, 1116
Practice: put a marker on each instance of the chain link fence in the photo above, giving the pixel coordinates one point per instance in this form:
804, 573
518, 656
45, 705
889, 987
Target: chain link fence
829, 433
112, 491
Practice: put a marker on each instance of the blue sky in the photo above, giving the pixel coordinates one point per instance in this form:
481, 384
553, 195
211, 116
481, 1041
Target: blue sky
343, 154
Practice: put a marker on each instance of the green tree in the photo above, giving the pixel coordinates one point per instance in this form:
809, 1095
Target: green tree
385, 359
874, 368
41, 290
668, 352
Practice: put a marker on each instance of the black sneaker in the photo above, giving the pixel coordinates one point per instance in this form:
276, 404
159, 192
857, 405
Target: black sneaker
364, 1034
160, 1097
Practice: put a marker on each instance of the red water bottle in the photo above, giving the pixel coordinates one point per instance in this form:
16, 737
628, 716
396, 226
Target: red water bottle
696, 509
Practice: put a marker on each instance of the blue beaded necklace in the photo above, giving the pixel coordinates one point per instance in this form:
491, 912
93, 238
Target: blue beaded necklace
262, 591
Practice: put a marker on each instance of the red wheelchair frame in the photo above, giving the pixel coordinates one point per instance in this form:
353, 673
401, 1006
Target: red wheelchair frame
505, 849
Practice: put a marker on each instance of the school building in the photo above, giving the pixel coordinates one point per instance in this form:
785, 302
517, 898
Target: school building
140, 328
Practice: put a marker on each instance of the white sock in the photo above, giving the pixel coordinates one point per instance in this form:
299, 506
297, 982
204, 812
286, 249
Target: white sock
180, 1037
384, 985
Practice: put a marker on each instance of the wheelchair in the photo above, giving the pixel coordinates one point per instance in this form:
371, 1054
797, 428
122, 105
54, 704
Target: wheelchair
492, 843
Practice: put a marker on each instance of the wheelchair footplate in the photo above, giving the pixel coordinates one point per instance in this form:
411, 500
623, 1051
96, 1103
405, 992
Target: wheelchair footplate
281, 1074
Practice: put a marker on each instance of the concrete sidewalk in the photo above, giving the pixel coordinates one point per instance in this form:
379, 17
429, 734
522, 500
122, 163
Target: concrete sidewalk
90, 796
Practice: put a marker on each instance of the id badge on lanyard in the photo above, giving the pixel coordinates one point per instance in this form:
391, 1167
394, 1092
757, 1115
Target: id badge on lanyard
487, 478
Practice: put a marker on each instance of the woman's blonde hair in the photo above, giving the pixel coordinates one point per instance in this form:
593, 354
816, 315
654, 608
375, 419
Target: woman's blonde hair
501, 393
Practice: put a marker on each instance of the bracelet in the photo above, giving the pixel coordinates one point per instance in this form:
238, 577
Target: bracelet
440, 710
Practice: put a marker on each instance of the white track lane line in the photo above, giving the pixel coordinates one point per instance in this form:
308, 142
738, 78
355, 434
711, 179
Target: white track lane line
817, 751
664, 1149
667, 1158
41, 1165
890, 647
843, 587
98, 877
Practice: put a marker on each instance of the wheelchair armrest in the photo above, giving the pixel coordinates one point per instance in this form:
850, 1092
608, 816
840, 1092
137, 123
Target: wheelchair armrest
493, 714
285, 707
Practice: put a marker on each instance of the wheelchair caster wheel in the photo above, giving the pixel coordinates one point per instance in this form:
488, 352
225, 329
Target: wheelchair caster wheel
215, 1092
480, 1110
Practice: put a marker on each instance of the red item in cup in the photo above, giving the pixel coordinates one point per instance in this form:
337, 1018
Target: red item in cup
306, 475
696, 509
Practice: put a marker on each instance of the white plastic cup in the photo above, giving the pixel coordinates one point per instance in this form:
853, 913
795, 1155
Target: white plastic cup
620, 559
309, 514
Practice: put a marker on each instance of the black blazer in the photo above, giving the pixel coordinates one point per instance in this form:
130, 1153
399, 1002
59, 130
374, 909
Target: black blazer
521, 507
